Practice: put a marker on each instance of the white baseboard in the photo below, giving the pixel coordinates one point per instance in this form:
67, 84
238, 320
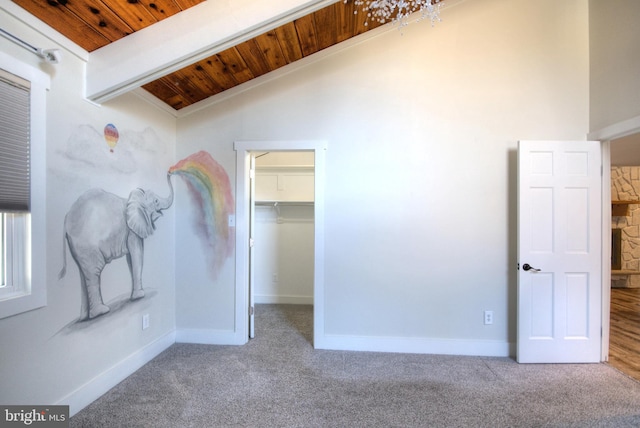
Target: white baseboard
98, 386
284, 300
413, 345
205, 336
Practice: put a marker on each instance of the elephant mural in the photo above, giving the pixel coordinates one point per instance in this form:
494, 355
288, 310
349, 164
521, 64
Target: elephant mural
101, 227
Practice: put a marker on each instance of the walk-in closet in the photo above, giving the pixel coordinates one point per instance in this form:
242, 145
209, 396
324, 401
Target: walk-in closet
284, 227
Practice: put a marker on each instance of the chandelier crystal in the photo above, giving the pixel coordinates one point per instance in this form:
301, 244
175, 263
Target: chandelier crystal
398, 11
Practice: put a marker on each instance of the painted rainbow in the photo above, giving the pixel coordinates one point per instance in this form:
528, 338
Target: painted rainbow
210, 190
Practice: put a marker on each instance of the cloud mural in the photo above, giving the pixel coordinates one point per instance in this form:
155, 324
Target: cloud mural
89, 151
210, 190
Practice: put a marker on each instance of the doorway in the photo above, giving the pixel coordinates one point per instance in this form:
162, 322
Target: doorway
283, 232
245, 151
624, 329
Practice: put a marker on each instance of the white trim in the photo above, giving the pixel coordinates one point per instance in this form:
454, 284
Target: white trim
243, 149
283, 300
40, 83
204, 336
144, 95
243, 166
605, 148
617, 130
417, 345
39, 80
99, 385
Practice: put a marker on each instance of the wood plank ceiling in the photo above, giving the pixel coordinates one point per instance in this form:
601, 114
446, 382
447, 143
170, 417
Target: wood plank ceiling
93, 24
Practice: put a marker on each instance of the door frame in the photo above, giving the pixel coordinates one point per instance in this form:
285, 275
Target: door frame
605, 136
243, 157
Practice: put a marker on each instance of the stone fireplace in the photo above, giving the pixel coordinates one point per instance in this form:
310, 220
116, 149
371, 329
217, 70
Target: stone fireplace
625, 226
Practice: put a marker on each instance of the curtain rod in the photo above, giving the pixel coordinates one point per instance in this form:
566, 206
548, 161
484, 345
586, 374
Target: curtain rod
52, 56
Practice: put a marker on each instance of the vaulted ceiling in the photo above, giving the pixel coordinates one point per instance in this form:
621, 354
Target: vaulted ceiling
96, 24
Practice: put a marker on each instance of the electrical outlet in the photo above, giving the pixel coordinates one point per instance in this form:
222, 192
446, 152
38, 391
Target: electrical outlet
274, 279
232, 220
145, 321
488, 317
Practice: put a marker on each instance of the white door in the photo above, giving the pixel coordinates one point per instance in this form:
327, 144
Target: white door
559, 252
252, 228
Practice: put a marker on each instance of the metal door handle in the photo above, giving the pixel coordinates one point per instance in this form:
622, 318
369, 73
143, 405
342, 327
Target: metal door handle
528, 267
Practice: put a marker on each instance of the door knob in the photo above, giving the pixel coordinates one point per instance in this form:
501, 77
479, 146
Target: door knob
528, 267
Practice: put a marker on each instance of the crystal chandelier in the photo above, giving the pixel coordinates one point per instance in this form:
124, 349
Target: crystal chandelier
398, 11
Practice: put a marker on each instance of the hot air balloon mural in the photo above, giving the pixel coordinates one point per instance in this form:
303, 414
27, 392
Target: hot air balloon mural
111, 136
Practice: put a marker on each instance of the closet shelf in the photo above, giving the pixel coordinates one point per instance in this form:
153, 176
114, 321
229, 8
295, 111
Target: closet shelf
287, 168
283, 203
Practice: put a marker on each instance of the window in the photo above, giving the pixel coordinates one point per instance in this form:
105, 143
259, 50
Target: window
15, 255
22, 187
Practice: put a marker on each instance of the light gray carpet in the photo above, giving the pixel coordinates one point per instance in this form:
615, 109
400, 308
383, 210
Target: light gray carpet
279, 380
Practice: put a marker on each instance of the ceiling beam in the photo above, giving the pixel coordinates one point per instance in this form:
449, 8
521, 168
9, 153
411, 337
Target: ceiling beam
183, 39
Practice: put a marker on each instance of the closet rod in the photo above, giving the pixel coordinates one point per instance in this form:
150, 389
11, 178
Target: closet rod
51, 56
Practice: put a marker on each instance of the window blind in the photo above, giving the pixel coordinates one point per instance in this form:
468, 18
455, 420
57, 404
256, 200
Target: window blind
14, 143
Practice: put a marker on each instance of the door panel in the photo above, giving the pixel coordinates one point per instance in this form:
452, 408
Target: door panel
542, 302
578, 303
559, 238
541, 224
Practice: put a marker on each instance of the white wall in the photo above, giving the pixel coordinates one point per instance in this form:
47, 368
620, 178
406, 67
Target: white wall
614, 48
46, 355
422, 130
284, 255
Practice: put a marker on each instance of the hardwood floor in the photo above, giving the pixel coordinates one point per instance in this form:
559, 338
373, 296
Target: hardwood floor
624, 340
